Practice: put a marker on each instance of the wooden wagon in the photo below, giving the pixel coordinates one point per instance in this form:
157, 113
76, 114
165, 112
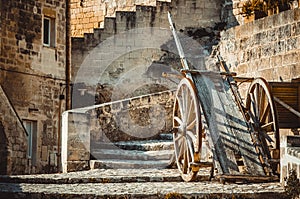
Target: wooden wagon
210, 117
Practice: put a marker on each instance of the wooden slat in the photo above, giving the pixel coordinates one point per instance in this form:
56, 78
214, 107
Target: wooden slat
289, 93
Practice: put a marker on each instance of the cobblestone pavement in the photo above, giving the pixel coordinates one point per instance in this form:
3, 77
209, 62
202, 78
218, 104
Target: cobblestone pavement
147, 183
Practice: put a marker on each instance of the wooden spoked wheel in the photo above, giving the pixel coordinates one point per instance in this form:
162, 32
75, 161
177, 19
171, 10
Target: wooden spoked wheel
186, 129
262, 114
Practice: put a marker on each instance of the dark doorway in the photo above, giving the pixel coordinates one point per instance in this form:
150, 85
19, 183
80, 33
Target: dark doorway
3, 150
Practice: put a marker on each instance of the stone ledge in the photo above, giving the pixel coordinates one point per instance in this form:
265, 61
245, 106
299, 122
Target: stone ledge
294, 151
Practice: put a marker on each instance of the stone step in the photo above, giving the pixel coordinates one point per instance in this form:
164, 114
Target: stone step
166, 136
129, 164
100, 176
146, 145
143, 145
131, 154
145, 190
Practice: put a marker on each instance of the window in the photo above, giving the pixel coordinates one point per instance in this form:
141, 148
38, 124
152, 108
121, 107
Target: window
31, 128
49, 32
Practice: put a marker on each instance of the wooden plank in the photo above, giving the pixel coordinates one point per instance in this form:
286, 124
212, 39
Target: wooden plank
243, 79
228, 130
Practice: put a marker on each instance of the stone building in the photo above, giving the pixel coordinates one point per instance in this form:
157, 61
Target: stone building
32, 80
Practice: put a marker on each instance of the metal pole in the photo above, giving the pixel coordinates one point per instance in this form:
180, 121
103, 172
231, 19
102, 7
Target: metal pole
68, 56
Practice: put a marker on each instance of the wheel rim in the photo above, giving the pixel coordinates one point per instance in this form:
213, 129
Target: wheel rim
186, 125
263, 116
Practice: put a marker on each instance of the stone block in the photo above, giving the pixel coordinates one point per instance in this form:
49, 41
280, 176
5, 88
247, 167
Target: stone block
279, 47
77, 166
276, 61
268, 74
295, 71
290, 58
285, 31
44, 153
267, 50
78, 155
291, 44
272, 36
243, 68
283, 73
270, 22
297, 14
258, 26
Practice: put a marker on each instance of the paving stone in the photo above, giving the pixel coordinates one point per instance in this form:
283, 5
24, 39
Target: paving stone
129, 183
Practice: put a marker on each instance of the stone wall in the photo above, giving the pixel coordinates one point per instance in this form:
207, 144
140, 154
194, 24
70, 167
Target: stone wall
268, 47
13, 149
137, 118
33, 74
89, 14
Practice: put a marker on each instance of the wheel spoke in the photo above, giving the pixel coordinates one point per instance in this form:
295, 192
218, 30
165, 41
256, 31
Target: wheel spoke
186, 106
265, 114
180, 106
268, 126
253, 110
181, 149
190, 149
190, 112
177, 119
267, 136
180, 136
191, 135
192, 124
185, 158
262, 102
257, 100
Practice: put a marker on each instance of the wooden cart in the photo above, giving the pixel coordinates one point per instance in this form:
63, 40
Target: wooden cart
210, 117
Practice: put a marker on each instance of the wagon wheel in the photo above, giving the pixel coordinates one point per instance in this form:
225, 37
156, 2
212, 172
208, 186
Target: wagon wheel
187, 125
263, 116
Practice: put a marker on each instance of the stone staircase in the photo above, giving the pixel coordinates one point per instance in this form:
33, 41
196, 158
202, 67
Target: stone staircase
136, 154
188, 13
143, 17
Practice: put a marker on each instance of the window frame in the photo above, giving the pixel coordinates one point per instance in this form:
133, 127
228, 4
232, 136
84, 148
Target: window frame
44, 31
51, 31
31, 128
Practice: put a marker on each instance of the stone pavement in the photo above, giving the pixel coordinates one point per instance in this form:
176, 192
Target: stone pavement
126, 183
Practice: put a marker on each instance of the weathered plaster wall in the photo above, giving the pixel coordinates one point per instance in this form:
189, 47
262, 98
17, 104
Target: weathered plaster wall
31, 73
